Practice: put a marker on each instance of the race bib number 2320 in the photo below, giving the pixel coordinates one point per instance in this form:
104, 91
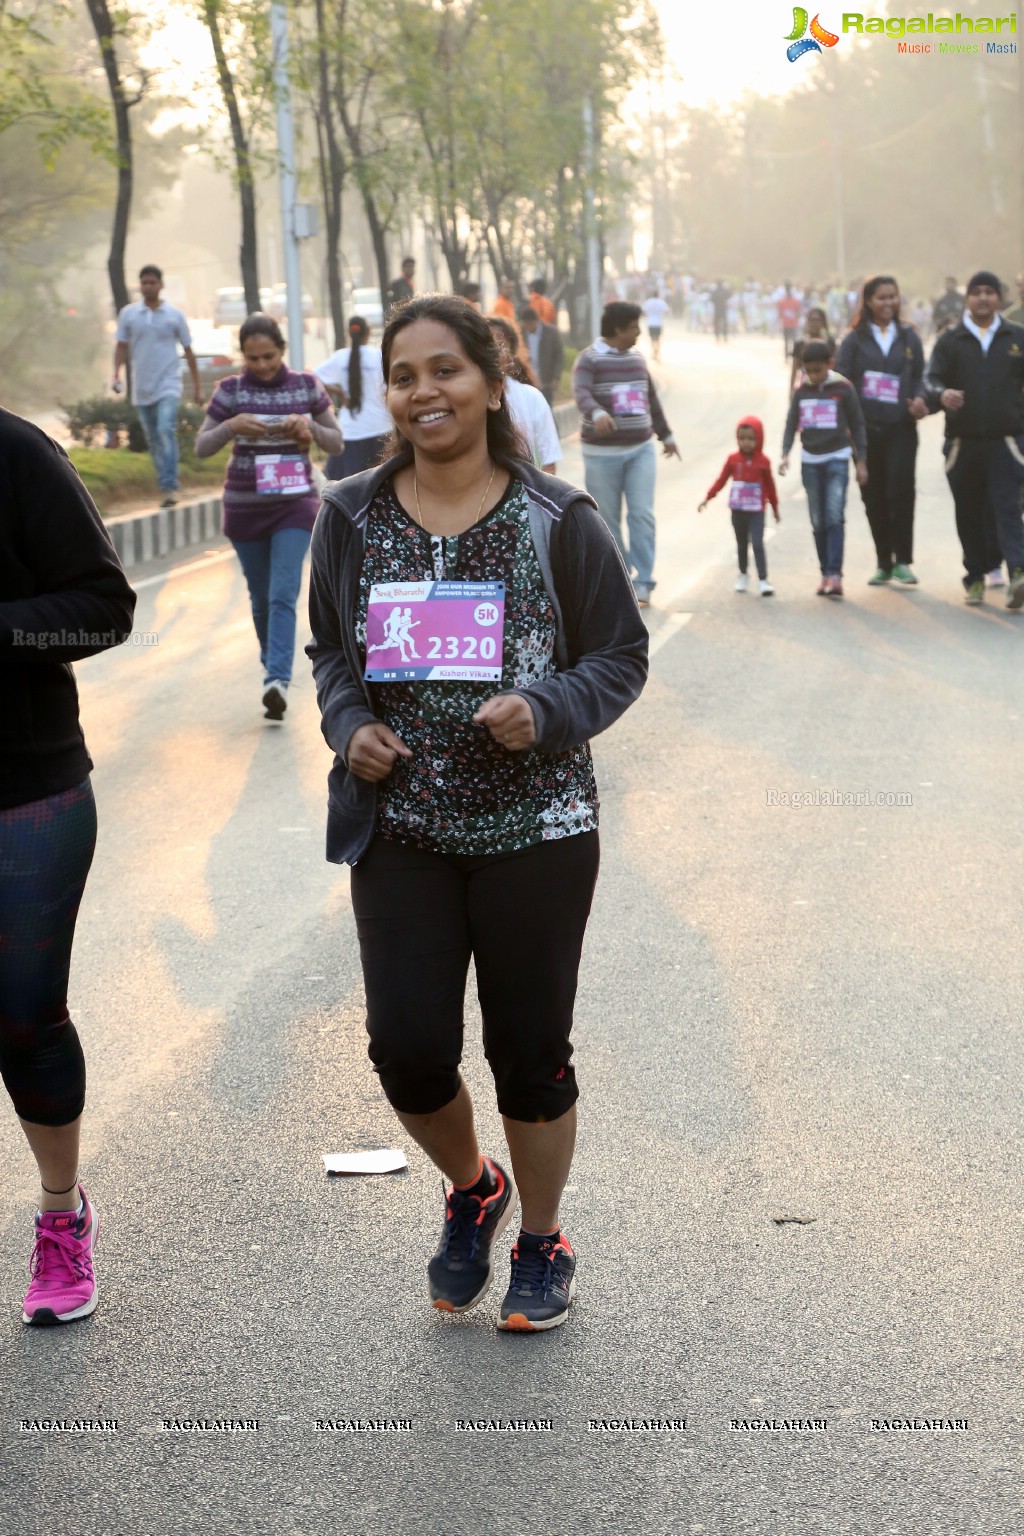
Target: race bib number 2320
436, 631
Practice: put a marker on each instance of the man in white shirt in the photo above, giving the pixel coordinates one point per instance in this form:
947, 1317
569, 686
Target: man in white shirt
149, 332
976, 375
655, 309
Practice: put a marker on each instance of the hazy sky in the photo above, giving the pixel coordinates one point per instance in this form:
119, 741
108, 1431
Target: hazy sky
717, 52
720, 51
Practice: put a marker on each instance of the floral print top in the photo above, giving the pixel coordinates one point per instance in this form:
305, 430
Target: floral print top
462, 792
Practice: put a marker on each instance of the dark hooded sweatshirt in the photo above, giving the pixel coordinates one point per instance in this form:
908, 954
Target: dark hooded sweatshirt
600, 645
748, 469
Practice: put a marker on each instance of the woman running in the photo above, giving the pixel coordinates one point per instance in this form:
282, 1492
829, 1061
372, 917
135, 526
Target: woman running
355, 380
272, 415
463, 789
884, 361
63, 596
531, 415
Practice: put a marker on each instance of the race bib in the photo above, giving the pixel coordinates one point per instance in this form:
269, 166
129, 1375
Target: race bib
746, 496
629, 399
283, 474
884, 387
435, 631
822, 414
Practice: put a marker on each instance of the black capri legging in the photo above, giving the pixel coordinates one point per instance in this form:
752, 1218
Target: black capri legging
521, 917
46, 848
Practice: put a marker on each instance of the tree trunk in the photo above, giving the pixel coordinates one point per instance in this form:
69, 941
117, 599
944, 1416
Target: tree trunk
332, 169
248, 252
357, 159
103, 26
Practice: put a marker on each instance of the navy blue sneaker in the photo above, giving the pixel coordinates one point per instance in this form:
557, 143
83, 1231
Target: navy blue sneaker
541, 1288
461, 1271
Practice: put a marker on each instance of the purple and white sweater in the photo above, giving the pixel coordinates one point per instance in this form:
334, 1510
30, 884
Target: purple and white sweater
619, 385
249, 512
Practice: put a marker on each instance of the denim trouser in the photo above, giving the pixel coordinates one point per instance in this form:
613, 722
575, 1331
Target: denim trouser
629, 472
273, 573
825, 485
160, 424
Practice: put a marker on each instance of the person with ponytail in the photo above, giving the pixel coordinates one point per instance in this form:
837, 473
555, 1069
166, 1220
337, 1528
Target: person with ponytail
355, 379
884, 361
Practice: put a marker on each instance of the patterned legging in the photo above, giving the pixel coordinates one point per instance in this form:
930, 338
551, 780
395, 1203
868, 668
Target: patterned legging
46, 848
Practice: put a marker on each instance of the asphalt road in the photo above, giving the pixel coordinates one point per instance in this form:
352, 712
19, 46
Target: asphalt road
804, 1011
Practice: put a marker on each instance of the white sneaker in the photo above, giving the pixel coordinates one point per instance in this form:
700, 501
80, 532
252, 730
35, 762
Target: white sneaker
767, 590
995, 578
741, 582
275, 700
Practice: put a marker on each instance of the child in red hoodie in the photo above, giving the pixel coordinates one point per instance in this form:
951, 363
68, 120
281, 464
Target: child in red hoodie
752, 486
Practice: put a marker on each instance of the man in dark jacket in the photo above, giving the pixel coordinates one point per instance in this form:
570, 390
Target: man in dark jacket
544, 344
976, 375
948, 308
400, 289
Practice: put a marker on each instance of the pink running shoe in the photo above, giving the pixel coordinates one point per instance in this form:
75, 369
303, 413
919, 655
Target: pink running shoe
63, 1284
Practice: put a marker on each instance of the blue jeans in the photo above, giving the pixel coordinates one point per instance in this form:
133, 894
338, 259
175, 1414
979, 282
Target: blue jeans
628, 472
825, 485
160, 424
273, 572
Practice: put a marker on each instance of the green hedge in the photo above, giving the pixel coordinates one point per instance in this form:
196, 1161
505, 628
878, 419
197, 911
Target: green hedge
90, 420
564, 389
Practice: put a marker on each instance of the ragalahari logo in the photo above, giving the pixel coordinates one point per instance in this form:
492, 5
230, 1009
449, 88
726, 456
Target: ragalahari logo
799, 44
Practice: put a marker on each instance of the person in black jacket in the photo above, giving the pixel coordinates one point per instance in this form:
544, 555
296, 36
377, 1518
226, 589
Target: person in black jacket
473, 625
63, 595
884, 361
976, 375
947, 310
544, 344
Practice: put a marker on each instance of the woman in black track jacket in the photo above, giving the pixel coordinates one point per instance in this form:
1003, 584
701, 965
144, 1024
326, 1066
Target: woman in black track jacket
884, 361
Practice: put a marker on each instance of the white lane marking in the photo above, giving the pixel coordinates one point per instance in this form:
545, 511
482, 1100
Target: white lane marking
181, 570
672, 625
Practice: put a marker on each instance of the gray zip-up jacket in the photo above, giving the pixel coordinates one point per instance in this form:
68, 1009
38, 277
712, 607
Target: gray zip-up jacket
600, 642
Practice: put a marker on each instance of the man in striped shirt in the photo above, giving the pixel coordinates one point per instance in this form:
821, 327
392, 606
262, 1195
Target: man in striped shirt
621, 415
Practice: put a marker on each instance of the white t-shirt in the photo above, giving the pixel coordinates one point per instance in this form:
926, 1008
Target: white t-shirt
374, 418
655, 310
532, 415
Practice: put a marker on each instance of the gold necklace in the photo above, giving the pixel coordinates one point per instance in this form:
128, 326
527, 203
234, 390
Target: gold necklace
480, 509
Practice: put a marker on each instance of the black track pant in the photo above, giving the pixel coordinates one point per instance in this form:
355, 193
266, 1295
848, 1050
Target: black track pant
520, 917
986, 476
889, 494
749, 527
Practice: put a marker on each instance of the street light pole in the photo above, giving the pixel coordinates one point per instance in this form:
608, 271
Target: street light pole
837, 180
286, 176
593, 261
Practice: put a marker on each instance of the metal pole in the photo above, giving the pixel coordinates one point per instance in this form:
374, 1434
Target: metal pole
286, 176
593, 261
837, 182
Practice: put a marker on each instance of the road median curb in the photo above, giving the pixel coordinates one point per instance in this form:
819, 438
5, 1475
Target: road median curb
158, 531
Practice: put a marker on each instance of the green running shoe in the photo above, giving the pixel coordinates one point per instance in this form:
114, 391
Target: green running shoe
975, 593
880, 577
905, 574
1015, 591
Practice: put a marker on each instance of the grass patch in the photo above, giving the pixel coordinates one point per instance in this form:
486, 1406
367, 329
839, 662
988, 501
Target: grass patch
115, 477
